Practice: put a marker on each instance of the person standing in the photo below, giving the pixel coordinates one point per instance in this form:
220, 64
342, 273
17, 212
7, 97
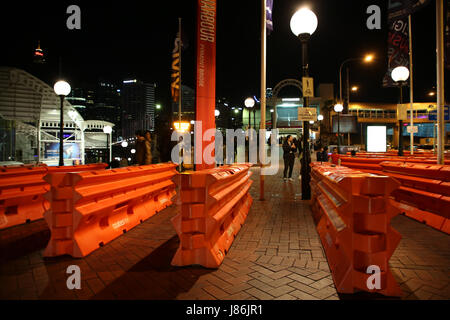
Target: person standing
289, 150
148, 147
140, 148
335, 157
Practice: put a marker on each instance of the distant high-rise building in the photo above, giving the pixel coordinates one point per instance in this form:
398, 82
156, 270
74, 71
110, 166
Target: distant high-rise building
138, 107
77, 98
38, 55
98, 102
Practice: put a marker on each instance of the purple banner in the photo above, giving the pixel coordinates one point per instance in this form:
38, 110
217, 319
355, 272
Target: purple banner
269, 22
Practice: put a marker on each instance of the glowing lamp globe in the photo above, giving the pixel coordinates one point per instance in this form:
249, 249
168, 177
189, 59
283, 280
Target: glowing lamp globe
107, 129
304, 21
338, 108
400, 74
249, 103
62, 88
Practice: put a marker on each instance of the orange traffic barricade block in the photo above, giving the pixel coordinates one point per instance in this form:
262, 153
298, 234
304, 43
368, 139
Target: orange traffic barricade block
22, 189
89, 209
424, 194
352, 213
21, 194
214, 204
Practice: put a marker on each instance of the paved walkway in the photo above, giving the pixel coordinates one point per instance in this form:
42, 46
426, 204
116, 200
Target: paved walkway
276, 255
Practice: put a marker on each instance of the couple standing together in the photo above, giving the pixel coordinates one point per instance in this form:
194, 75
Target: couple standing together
290, 147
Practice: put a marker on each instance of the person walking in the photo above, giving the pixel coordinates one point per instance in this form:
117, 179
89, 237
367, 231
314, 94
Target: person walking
140, 148
289, 150
148, 147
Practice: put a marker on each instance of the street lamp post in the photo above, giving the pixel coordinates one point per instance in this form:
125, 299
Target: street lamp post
107, 130
62, 89
367, 58
320, 119
400, 75
303, 24
249, 103
338, 108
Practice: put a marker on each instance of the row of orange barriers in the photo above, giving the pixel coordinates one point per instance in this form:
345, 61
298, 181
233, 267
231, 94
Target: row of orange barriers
372, 163
89, 209
22, 188
214, 204
352, 213
424, 194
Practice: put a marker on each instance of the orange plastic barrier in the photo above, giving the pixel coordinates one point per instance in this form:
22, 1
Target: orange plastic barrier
214, 206
352, 212
424, 194
89, 209
22, 189
21, 195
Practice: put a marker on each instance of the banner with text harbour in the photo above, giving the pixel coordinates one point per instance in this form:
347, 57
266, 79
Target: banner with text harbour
206, 78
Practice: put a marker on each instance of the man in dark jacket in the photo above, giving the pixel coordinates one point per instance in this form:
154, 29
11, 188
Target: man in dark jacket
140, 148
289, 150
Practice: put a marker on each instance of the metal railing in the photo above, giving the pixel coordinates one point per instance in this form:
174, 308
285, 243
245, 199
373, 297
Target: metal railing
386, 114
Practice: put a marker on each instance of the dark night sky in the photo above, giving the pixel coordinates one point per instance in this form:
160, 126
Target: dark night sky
135, 39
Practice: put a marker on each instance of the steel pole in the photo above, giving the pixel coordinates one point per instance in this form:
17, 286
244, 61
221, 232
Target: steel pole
306, 159
411, 89
61, 131
440, 80
400, 123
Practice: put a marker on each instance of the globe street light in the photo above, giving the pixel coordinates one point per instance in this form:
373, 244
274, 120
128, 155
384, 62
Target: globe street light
217, 113
249, 103
108, 130
367, 59
400, 75
320, 119
62, 89
338, 108
303, 24
124, 144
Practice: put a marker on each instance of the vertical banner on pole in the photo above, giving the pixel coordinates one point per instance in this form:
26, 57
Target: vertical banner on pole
206, 79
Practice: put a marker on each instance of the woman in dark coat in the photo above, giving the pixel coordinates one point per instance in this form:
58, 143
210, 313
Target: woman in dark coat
289, 150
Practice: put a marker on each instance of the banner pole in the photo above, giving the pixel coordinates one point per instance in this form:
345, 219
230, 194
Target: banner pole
411, 89
440, 79
262, 145
180, 94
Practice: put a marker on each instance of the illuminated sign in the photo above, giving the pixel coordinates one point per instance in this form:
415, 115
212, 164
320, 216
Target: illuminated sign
183, 128
376, 139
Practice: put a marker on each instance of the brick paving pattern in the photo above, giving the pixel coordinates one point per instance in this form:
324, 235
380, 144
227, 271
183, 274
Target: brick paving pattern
277, 255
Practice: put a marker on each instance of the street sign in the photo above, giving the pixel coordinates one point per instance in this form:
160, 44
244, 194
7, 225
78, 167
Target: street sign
415, 129
308, 87
307, 114
432, 115
402, 113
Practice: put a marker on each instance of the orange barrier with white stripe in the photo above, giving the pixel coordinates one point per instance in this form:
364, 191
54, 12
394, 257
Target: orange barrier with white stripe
352, 212
89, 209
22, 189
214, 206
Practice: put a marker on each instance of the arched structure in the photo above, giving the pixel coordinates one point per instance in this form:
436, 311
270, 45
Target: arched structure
286, 83
29, 122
